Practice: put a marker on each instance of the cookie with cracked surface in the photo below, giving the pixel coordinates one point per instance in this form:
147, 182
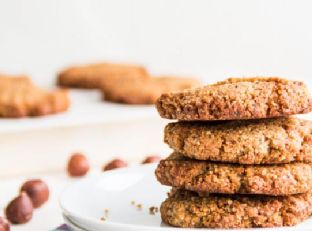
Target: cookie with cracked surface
144, 91
271, 141
91, 76
237, 99
210, 177
20, 98
189, 210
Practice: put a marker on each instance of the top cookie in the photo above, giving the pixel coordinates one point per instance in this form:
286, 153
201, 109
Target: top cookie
143, 91
20, 98
236, 99
92, 76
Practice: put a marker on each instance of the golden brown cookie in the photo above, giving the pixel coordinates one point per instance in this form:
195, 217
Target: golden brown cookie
20, 98
270, 141
92, 76
204, 176
237, 99
189, 210
143, 91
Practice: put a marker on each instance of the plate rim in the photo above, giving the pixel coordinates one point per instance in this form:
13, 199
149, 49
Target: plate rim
111, 224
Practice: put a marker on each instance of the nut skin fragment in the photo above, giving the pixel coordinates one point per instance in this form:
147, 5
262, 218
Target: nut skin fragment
189, 210
271, 141
237, 99
20, 209
19, 97
209, 177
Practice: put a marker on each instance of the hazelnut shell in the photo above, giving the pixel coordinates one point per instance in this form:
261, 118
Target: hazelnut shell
37, 190
20, 209
78, 165
116, 163
4, 224
151, 159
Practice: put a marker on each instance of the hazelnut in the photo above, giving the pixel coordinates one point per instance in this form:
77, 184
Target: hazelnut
37, 190
151, 159
4, 224
78, 165
116, 163
20, 209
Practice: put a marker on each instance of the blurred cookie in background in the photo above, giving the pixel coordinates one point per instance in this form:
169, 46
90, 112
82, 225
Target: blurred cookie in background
20, 98
143, 91
91, 76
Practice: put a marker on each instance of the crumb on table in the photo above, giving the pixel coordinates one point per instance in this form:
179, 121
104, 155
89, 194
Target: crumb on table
153, 210
139, 206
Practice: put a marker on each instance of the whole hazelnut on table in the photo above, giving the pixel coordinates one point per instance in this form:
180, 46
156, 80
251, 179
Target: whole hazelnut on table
78, 165
151, 159
116, 163
20, 209
37, 190
4, 224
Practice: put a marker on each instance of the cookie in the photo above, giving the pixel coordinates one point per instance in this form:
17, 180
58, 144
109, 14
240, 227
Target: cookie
92, 76
20, 98
204, 176
237, 99
143, 91
271, 141
189, 210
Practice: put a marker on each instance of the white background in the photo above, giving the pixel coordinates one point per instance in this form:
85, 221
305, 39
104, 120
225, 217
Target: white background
212, 39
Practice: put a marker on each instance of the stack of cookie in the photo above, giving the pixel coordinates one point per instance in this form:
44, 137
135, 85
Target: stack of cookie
239, 159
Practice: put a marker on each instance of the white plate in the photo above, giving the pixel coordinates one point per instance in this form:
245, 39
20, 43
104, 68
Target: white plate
71, 225
85, 201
